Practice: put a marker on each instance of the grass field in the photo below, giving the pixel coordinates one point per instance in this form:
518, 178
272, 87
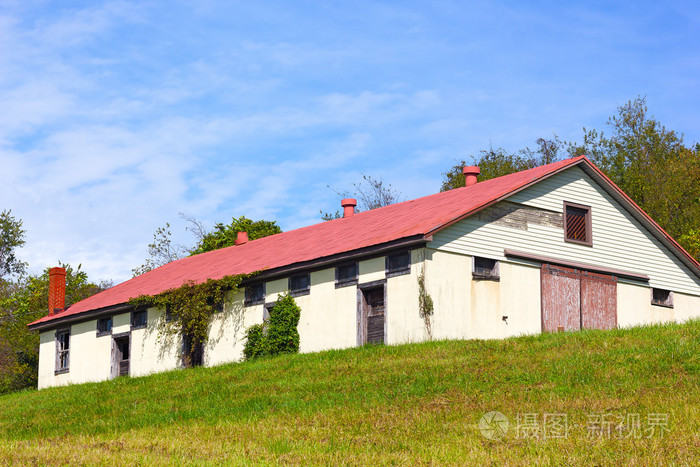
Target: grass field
627, 397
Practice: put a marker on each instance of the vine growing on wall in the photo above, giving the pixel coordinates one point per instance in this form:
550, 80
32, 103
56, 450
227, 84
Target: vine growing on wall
189, 310
425, 304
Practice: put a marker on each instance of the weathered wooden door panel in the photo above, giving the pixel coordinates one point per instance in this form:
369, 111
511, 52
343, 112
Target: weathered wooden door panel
375, 329
598, 301
561, 299
374, 316
114, 368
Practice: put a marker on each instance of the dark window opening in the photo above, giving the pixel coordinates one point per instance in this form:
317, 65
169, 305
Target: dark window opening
662, 297
485, 268
217, 307
62, 350
398, 263
139, 319
577, 223
345, 275
254, 294
300, 285
192, 356
104, 326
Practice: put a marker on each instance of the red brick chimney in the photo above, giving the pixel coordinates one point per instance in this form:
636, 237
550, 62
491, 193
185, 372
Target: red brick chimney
470, 174
57, 290
348, 205
241, 238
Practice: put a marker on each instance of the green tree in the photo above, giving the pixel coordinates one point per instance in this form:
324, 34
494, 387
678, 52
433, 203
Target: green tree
22, 302
649, 162
653, 166
223, 236
11, 238
495, 163
162, 250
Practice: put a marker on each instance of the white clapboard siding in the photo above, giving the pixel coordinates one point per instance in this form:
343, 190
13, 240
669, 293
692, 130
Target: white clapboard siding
619, 241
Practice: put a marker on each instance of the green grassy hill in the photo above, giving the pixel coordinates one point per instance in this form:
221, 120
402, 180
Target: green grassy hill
624, 396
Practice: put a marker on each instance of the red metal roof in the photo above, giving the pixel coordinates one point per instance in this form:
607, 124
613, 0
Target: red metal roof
421, 216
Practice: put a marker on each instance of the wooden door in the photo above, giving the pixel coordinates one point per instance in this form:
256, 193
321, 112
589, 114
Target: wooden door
374, 316
114, 369
120, 355
598, 301
573, 299
561, 299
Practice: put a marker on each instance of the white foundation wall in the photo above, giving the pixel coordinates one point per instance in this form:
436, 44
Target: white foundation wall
152, 352
469, 308
90, 356
634, 307
686, 307
403, 321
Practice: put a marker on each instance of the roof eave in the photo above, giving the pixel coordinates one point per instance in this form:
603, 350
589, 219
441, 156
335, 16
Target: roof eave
353, 255
59, 320
319, 263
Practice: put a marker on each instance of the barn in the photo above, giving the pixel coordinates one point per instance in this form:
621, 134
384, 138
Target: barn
555, 248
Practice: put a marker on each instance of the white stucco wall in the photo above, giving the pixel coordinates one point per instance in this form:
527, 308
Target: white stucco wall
227, 332
85, 357
328, 318
469, 308
447, 280
150, 351
634, 306
403, 320
90, 357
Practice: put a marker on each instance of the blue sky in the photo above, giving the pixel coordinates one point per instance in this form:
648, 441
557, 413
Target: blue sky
117, 116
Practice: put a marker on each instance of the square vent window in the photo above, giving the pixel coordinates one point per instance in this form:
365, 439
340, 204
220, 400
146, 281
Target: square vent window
485, 268
577, 224
662, 297
300, 285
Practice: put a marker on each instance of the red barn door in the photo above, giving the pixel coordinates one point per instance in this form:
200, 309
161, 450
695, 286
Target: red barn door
573, 299
598, 301
561, 299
